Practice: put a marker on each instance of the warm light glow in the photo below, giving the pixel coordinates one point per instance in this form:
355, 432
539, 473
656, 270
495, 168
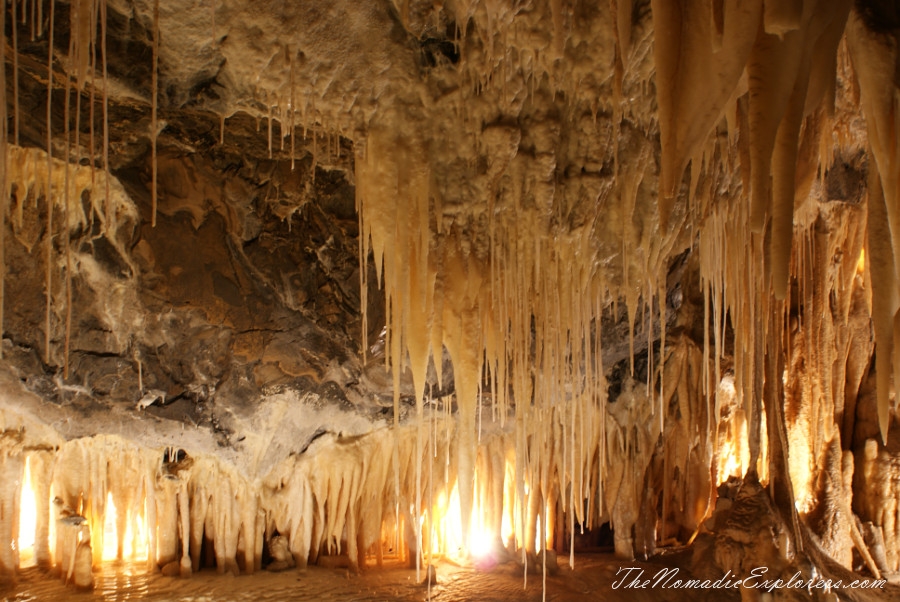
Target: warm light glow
507, 531
110, 539
546, 530
861, 263
27, 518
733, 447
451, 526
730, 464
135, 545
481, 537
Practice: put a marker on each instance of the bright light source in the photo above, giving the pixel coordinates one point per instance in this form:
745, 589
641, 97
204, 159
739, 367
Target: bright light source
482, 534
110, 534
27, 517
729, 462
135, 544
479, 542
733, 448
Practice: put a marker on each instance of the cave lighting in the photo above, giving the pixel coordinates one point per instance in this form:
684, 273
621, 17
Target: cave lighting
27, 518
519, 292
733, 452
110, 534
134, 541
447, 540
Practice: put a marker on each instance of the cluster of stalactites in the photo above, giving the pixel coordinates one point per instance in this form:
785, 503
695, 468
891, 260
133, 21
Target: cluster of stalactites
525, 309
63, 183
441, 291
168, 506
776, 88
875, 60
773, 70
29, 180
796, 280
512, 291
73, 199
777, 57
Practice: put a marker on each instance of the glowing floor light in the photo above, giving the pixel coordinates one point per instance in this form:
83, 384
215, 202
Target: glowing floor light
135, 544
110, 531
482, 536
27, 518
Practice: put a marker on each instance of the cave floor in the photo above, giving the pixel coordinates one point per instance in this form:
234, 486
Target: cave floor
592, 578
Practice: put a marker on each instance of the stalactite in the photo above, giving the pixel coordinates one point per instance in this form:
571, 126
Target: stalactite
67, 246
105, 105
685, 55
154, 102
92, 53
784, 162
48, 258
15, 67
4, 183
291, 105
772, 69
526, 313
822, 35
269, 123
874, 63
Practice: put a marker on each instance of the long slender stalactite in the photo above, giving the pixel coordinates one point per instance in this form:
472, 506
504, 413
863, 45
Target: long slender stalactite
629, 266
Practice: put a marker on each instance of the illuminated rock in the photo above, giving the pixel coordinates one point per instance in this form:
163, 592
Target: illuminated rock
617, 254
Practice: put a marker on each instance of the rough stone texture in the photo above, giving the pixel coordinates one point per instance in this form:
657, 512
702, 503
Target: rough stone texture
249, 284
250, 279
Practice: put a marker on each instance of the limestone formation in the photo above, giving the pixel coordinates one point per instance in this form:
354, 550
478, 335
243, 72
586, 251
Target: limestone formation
318, 282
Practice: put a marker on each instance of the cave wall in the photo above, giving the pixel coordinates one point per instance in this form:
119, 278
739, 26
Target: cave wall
586, 266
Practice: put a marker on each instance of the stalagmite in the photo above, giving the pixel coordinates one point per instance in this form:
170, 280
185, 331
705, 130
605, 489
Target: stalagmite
511, 203
11, 466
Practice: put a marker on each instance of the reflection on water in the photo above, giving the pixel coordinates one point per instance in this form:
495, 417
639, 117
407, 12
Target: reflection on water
591, 580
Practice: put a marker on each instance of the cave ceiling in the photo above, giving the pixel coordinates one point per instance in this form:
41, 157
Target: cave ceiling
262, 112
556, 220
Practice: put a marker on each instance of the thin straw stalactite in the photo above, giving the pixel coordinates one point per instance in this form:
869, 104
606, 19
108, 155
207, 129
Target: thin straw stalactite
154, 101
66, 192
15, 66
4, 202
92, 100
108, 205
49, 193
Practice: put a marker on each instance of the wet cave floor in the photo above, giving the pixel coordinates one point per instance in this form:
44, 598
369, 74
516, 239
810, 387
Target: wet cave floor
593, 578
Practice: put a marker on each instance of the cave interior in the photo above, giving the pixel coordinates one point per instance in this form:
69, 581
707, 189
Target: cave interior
338, 283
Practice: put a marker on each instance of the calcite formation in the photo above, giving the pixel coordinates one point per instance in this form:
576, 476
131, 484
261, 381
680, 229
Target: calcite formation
293, 281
